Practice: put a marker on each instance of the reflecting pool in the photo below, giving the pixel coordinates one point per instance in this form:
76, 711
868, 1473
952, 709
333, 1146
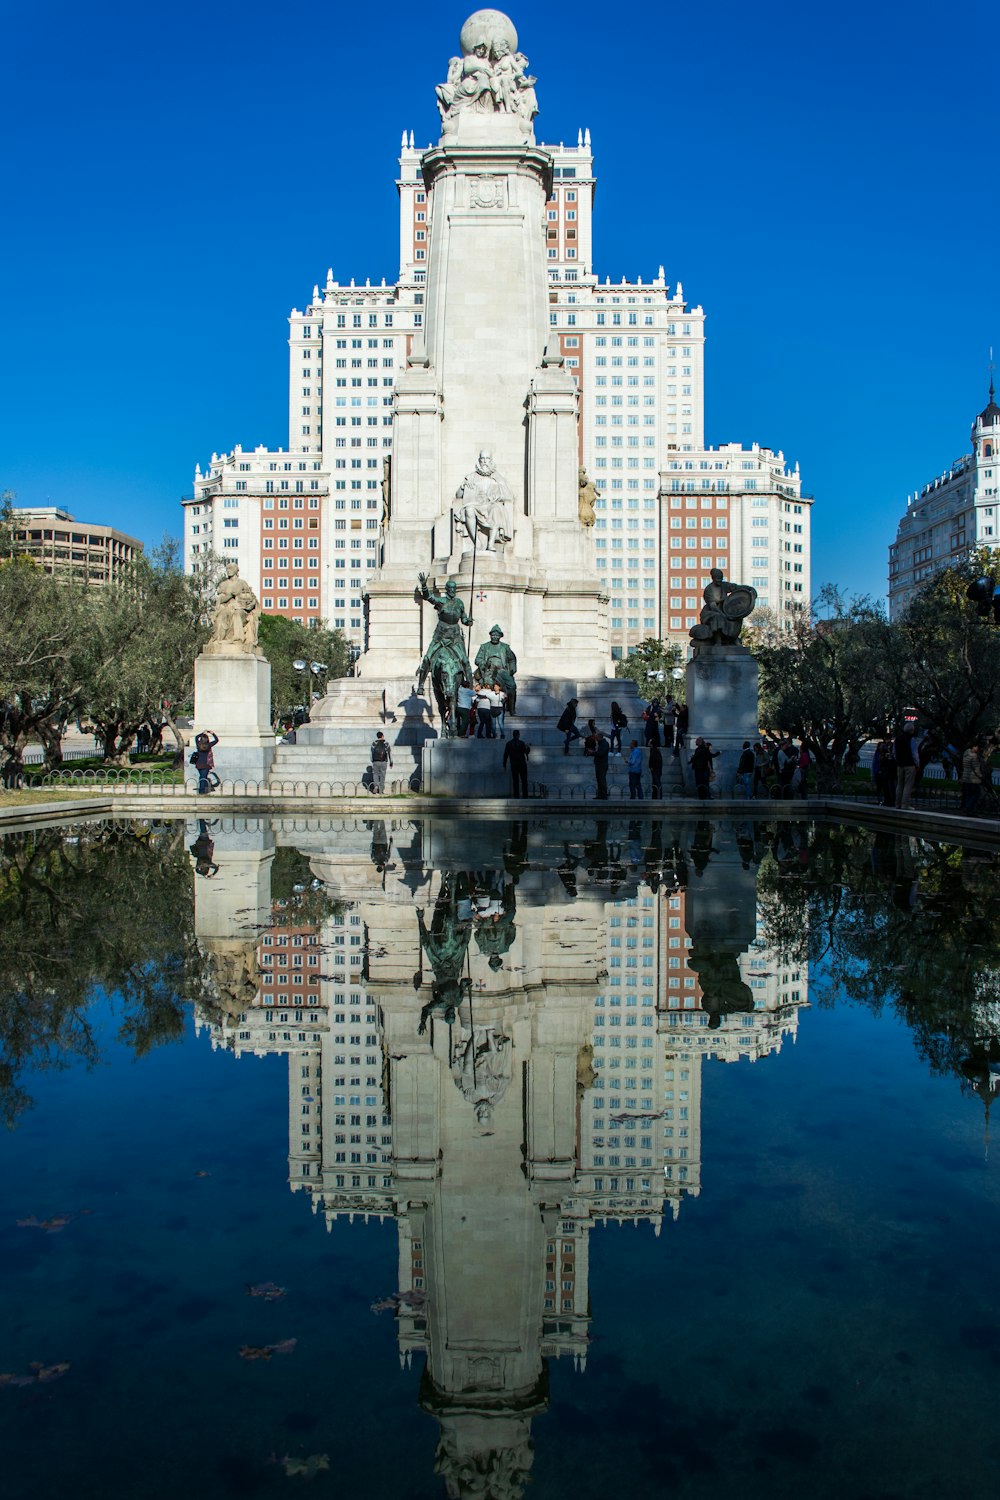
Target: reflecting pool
438, 1157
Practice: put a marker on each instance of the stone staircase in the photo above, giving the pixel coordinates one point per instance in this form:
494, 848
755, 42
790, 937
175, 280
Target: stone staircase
332, 753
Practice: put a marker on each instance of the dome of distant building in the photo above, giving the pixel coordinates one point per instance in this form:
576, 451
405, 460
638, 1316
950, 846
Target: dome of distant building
990, 412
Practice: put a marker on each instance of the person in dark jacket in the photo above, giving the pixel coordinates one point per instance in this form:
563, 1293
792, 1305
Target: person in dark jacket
204, 761
619, 721
682, 728
907, 753
602, 751
656, 772
515, 755
745, 770
567, 724
702, 757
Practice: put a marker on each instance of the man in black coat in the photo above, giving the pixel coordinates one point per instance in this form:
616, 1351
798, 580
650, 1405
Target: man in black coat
515, 755
602, 750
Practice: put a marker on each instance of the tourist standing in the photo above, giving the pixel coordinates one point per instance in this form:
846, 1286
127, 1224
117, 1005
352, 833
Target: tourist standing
975, 775
602, 752
884, 772
380, 756
702, 757
590, 739
907, 753
567, 724
669, 718
515, 755
618, 722
498, 706
745, 768
805, 761
652, 725
204, 761
656, 772
465, 697
680, 733
634, 766
761, 766
484, 715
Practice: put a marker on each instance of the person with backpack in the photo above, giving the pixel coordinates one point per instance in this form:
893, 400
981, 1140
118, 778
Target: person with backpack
381, 756
203, 761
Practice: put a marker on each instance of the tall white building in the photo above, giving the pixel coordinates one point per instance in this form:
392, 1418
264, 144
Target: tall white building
305, 523
951, 516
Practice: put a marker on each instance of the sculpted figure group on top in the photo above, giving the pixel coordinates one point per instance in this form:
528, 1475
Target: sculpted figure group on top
491, 75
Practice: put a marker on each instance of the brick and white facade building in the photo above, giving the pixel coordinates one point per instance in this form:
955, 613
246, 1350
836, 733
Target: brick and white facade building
305, 523
951, 516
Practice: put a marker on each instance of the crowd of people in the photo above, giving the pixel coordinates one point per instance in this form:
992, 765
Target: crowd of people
900, 759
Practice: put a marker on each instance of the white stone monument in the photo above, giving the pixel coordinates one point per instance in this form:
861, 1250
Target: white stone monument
484, 483
232, 686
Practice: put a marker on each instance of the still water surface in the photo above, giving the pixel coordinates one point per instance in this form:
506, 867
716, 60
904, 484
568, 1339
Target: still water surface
447, 1158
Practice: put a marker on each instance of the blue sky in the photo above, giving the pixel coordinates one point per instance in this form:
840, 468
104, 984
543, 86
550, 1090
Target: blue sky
176, 177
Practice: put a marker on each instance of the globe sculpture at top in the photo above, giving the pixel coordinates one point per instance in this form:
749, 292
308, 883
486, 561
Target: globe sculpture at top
490, 78
485, 28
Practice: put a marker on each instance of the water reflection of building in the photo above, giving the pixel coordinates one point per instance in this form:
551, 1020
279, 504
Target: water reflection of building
501, 1044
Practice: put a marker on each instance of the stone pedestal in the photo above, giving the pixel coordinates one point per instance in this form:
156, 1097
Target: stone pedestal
232, 698
722, 705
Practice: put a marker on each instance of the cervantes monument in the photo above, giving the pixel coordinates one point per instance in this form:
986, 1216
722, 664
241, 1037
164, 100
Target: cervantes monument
484, 488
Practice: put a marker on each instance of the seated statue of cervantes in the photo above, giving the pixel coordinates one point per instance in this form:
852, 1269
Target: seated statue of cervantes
488, 504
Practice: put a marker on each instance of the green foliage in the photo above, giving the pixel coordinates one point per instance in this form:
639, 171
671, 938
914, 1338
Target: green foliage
649, 658
143, 639
7, 498
284, 641
43, 630
119, 655
104, 909
827, 680
947, 656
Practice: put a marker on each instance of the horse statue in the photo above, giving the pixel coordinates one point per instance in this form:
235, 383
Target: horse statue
446, 679
445, 660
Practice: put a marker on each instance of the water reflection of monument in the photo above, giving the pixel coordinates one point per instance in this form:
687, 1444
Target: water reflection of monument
498, 1038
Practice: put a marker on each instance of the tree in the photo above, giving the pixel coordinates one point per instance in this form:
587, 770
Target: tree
143, 638
285, 641
43, 643
650, 666
947, 656
829, 681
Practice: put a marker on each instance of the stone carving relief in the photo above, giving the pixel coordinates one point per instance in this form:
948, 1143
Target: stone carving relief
587, 499
486, 192
491, 75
